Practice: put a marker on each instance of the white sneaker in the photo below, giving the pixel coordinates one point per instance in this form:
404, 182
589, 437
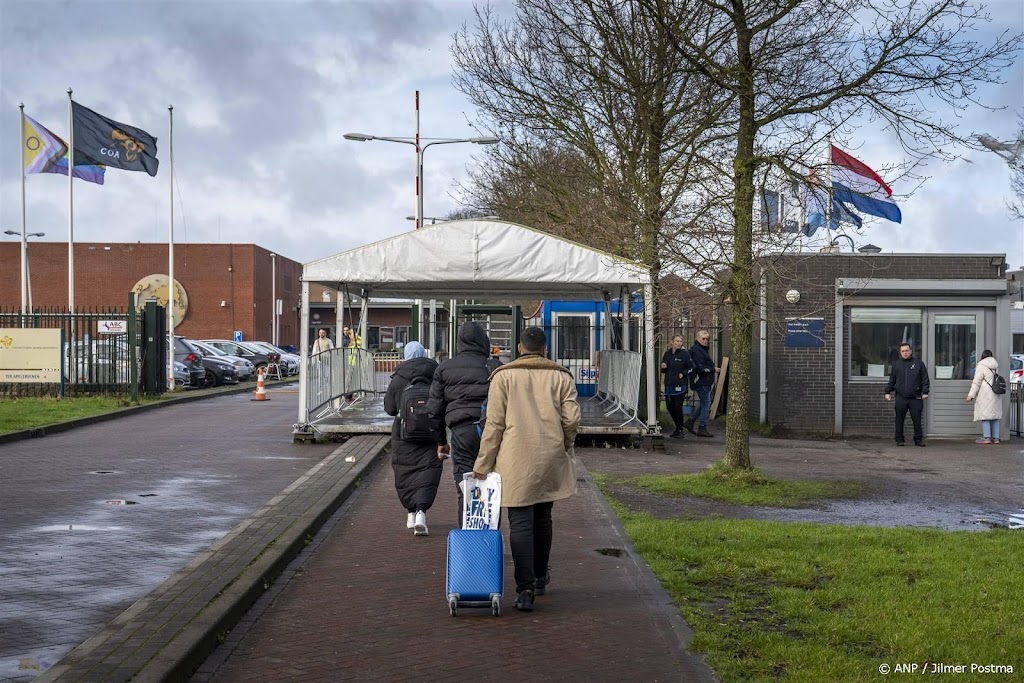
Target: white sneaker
411, 521
420, 525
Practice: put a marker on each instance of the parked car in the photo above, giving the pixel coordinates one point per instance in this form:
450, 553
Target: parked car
255, 357
289, 361
1016, 368
192, 358
181, 375
101, 361
244, 370
219, 371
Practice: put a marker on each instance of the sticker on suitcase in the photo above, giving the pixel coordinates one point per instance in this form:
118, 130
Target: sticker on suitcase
481, 501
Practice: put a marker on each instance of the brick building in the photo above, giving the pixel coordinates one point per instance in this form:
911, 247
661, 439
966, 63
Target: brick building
832, 324
229, 287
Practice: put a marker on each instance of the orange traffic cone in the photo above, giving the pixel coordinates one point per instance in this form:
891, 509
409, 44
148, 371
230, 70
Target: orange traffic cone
261, 391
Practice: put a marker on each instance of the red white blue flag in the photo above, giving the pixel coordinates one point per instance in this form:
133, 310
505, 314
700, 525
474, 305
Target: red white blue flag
854, 183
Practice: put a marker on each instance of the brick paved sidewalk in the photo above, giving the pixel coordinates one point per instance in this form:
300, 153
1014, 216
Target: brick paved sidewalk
368, 604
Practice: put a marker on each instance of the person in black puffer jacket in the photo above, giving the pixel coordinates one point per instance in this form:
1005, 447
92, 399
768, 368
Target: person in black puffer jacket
457, 395
909, 382
417, 464
703, 379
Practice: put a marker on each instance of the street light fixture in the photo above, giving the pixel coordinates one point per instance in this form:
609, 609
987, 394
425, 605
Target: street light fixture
420, 149
26, 279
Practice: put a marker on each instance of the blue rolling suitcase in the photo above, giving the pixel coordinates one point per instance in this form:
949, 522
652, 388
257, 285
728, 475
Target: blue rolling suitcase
476, 569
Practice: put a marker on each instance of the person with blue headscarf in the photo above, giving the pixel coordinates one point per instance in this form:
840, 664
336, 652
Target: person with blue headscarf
415, 463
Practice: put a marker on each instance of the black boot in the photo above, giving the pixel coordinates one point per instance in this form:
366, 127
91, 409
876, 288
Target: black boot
703, 431
688, 423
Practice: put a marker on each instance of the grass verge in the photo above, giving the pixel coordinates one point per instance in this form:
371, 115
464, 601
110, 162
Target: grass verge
745, 487
25, 413
807, 602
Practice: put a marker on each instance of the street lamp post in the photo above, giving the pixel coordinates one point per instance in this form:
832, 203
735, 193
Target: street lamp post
26, 278
273, 296
420, 149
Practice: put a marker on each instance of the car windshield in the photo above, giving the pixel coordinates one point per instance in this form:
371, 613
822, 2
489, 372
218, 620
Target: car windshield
208, 349
252, 348
1016, 363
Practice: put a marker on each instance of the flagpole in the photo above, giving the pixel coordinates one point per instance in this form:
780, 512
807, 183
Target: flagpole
24, 230
828, 202
71, 209
171, 291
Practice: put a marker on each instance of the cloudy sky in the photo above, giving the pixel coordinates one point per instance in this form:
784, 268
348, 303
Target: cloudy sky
263, 92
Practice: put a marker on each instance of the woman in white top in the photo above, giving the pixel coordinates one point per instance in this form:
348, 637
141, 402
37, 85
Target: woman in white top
988, 406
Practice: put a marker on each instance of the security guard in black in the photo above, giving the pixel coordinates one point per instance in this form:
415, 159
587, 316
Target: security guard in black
909, 381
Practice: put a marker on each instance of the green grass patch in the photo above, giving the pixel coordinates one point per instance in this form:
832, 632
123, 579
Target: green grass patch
771, 601
745, 487
25, 413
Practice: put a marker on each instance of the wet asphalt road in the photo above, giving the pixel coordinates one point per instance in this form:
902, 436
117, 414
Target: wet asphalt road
70, 561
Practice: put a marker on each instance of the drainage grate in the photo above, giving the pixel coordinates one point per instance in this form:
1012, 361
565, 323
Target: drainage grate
613, 552
103, 472
147, 495
121, 502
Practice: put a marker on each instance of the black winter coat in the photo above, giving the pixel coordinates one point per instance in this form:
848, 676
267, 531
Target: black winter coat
703, 366
417, 469
461, 383
677, 371
908, 378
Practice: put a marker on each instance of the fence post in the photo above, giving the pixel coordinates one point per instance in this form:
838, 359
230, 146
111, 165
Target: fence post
133, 367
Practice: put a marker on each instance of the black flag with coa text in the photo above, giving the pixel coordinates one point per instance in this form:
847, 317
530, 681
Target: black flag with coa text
102, 141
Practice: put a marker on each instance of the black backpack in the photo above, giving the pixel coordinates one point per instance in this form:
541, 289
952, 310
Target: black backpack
998, 384
414, 420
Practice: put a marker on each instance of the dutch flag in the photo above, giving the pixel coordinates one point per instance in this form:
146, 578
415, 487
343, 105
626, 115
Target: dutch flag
854, 183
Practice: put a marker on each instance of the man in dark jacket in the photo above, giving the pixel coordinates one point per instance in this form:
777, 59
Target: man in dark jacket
676, 366
415, 462
703, 379
457, 394
909, 381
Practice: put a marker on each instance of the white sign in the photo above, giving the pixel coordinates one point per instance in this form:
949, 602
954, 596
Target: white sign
30, 355
112, 326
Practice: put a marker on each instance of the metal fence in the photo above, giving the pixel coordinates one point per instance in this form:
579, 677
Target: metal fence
1016, 408
96, 350
339, 379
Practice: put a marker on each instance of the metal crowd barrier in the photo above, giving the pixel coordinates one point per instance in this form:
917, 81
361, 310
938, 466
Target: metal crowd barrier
618, 382
1017, 408
339, 379
384, 365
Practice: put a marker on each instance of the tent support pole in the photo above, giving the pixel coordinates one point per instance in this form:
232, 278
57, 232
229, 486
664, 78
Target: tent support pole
652, 379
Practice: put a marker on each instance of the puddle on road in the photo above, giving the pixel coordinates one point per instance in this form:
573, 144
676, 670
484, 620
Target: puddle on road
103, 472
78, 527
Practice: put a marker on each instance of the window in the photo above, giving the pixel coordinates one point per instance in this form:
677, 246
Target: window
401, 335
956, 342
876, 335
573, 337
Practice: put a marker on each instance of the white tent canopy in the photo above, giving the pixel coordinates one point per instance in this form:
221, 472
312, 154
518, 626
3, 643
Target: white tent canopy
474, 259
479, 259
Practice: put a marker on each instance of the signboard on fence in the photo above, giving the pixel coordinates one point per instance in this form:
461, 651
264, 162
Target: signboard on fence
30, 355
112, 326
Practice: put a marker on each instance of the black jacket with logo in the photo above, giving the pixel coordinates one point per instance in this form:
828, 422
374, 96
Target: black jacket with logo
677, 371
908, 379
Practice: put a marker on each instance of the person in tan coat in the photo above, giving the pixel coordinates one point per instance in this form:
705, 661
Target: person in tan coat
532, 418
988, 406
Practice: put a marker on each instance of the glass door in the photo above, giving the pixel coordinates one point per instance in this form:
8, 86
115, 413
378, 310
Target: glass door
955, 344
572, 345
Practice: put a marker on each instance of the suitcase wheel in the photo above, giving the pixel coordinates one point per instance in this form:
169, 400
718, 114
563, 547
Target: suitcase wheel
453, 606
495, 606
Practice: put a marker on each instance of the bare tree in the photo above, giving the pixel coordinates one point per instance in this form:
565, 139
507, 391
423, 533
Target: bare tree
594, 110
